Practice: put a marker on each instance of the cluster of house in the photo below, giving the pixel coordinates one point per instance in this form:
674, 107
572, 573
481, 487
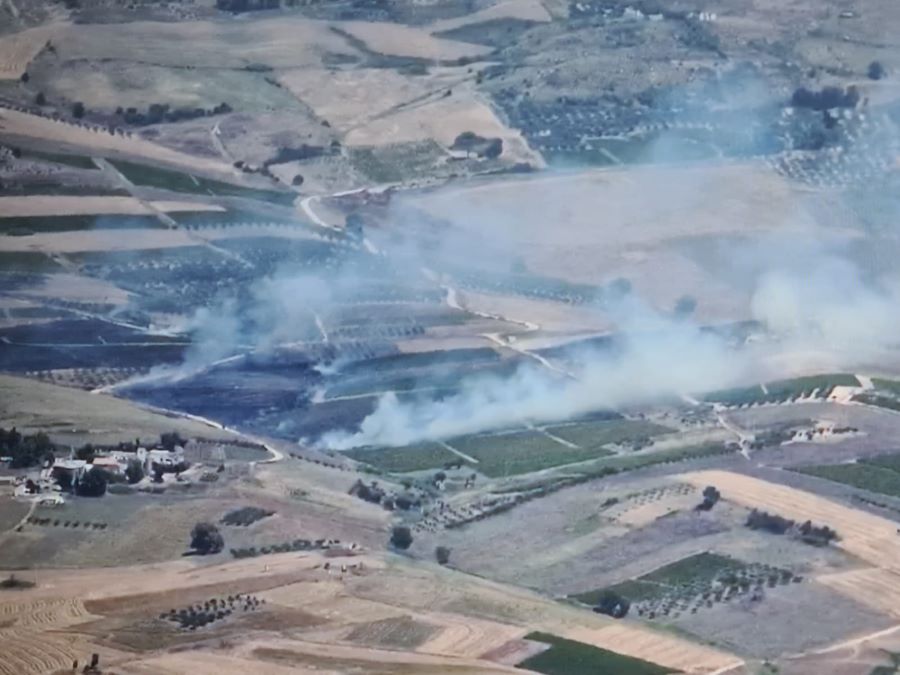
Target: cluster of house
70, 470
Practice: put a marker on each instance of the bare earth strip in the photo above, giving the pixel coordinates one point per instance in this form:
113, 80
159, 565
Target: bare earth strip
864, 535
24, 124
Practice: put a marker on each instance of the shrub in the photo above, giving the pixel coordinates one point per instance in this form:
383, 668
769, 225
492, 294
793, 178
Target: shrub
401, 537
442, 554
206, 539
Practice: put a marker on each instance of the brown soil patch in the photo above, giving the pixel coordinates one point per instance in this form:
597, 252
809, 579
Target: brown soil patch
402, 632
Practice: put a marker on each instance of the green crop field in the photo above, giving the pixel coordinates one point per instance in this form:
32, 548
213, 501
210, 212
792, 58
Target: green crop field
75, 161
520, 452
783, 390
418, 457
645, 459
178, 181
880, 401
892, 386
27, 261
592, 434
875, 475
568, 657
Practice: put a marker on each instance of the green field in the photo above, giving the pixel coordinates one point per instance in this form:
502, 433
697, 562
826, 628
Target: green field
783, 390
76, 161
568, 657
592, 434
520, 452
27, 261
23, 225
880, 401
697, 571
178, 181
879, 474
645, 459
418, 457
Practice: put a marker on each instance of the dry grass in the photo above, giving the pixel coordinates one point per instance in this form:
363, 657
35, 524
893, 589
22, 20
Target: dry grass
31, 126
873, 587
74, 416
443, 120
55, 205
870, 537
17, 51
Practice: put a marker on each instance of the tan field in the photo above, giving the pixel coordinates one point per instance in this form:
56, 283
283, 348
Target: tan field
47, 130
70, 415
330, 610
53, 205
877, 588
443, 120
524, 10
862, 534
348, 97
17, 50
98, 240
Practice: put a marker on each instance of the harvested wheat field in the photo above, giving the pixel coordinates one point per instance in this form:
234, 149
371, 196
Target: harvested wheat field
876, 588
53, 205
17, 50
346, 98
443, 120
864, 535
101, 141
666, 650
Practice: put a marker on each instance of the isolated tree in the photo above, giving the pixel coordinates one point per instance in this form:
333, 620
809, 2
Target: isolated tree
685, 306
876, 70
206, 539
92, 483
170, 440
25, 77
401, 537
40, 99
442, 554
86, 452
612, 604
134, 472
297, 181
78, 110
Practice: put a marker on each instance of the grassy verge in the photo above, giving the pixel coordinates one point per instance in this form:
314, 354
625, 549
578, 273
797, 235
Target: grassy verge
26, 261
568, 657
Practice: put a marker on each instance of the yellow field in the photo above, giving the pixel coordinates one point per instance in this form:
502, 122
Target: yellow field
399, 40
877, 588
864, 535
524, 10
666, 650
17, 51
